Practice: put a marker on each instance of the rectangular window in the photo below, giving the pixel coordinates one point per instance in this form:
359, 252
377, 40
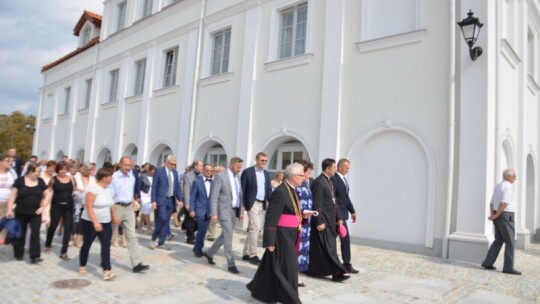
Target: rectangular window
48, 106
140, 67
292, 39
87, 93
113, 85
146, 8
220, 55
86, 35
120, 15
67, 96
531, 60
171, 60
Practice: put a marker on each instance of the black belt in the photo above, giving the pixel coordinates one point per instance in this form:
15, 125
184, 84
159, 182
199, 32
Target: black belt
259, 201
123, 204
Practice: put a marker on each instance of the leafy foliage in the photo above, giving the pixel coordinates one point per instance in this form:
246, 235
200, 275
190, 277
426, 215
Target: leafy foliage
13, 132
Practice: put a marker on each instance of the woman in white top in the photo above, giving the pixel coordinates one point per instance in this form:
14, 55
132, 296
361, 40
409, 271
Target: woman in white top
96, 221
82, 180
7, 178
146, 196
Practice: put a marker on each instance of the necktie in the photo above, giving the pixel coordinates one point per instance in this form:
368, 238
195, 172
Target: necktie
171, 181
237, 192
346, 183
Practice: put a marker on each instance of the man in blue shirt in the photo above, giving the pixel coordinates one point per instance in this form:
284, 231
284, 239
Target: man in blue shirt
125, 191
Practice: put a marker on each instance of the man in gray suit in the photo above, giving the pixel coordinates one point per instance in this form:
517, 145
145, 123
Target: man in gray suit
226, 205
189, 224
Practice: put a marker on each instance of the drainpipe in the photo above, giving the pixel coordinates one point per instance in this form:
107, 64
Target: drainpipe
451, 129
195, 83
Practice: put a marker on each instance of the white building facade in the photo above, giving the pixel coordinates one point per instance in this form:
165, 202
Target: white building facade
388, 84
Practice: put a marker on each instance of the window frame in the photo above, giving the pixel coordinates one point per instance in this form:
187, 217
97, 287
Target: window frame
139, 77
113, 77
293, 50
170, 74
86, 34
224, 47
121, 10
85, 101
67, 97
146, 8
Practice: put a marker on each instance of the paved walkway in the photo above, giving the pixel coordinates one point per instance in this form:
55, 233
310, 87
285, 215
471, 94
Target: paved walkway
385, 277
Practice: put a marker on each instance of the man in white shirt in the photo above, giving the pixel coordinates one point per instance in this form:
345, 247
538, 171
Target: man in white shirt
502, 209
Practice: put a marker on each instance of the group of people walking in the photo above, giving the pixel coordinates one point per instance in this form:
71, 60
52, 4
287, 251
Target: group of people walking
302, 216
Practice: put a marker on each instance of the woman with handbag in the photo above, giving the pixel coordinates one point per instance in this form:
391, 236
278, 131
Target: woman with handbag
31, 196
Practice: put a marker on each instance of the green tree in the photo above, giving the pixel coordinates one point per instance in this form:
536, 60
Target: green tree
13, 132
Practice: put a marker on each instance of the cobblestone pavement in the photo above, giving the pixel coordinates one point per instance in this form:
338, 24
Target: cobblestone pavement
385, 276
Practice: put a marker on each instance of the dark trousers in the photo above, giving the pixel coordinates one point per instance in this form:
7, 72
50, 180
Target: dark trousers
58, 211
202, 224
504, 234
89, 235
163, 218
18, 245
189, 225
346, 247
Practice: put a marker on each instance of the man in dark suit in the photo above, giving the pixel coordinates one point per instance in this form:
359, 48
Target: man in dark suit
165, 195
257, 189
323, 258
17, 162
200, 206
189, 224
344, 206
226, 205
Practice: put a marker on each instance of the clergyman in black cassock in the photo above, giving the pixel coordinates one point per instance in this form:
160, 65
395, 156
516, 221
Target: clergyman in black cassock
276, 279
323, 257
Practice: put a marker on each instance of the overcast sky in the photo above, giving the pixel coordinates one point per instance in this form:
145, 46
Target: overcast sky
32, 34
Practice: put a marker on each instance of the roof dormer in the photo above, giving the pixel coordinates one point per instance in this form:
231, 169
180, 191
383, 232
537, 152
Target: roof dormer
88, 27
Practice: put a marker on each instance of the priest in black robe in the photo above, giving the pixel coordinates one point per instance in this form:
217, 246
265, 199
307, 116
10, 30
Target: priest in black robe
323, 258
276, 279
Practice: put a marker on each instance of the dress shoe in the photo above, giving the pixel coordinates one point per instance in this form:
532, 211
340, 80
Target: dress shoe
164, 247
245, 257
36, 260
351, 269
192, 242
209, 259
301, 284
513, 271
211, 239
340, 278
19, 258
140, 267
254, 260
198, 254
233, 269
489, 267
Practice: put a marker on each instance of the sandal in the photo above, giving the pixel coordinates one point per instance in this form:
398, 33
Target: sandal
82, 271
108, 275
64, 257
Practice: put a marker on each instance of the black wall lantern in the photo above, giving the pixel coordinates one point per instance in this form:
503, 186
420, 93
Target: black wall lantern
470, 27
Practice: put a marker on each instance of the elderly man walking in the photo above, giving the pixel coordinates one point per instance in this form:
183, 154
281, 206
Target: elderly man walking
502, 208
125, 191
